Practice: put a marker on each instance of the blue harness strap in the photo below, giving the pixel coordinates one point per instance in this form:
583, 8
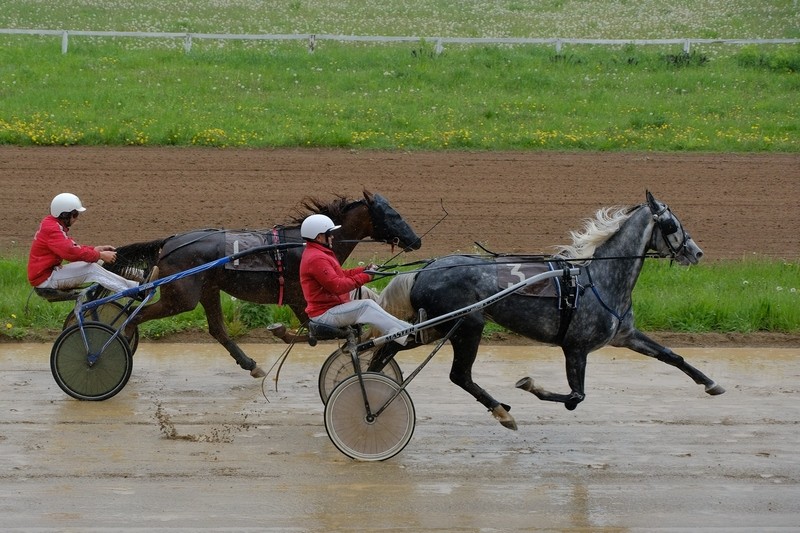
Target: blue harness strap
619, 317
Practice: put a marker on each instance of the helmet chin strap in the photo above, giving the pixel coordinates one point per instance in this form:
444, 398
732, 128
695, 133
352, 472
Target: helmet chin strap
326, 242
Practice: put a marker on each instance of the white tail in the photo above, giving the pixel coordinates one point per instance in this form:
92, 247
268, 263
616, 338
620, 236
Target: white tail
396, 297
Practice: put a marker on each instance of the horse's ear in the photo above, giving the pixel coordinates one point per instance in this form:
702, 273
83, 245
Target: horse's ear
651, 200
367, 196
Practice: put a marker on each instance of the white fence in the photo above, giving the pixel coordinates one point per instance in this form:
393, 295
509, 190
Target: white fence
312, 39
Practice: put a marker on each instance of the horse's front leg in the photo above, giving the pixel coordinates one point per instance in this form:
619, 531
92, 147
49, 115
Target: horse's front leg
210, 301
641, 343
576, 372
465, 349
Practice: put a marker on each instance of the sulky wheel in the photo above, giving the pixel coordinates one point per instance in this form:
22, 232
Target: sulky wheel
112, 313
365, 438
96, 373
339, 365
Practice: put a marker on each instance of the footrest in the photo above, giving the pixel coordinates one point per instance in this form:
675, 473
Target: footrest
57, 295
324, 332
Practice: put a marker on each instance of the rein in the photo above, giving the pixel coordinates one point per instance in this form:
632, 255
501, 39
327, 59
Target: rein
395, 243
446, 214
211, 231
523, 259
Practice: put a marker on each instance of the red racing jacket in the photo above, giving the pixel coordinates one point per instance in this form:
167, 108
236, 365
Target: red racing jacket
325, 284
51, 245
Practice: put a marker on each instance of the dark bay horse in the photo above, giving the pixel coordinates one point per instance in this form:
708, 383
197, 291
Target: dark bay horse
610, 252
370, 217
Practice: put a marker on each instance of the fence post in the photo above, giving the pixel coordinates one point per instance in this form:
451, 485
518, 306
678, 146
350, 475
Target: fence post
439, 48
64, 42
187, 43
687, 45
312, 43
558, 46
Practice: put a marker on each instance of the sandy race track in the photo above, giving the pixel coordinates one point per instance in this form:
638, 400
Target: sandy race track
734, 205
191, 443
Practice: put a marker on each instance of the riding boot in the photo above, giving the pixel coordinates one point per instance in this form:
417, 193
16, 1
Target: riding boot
142, 294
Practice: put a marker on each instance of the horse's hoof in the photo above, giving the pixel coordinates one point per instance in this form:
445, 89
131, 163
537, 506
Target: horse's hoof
505, 419
715, 389
525, 384
277, 329
258, 373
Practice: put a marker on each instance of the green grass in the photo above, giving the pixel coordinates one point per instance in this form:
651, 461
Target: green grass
129, 91
609, 19
745, 296
383, 97
741, 296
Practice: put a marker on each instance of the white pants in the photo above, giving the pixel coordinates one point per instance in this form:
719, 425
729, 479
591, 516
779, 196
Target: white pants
78, 273
364, 293
363, 312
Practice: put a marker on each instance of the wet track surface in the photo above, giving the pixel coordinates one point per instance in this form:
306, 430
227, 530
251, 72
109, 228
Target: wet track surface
191, 443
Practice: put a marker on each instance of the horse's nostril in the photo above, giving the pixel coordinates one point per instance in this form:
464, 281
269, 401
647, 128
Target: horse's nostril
699, 255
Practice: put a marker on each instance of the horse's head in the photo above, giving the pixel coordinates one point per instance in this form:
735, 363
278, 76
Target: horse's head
669, 238
388, 225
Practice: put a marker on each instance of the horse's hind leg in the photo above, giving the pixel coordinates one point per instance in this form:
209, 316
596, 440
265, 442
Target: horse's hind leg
216, 327
639, 342
465, 349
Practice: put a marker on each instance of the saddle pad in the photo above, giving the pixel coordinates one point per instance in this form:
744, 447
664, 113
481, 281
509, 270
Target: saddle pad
239, 241
510, 273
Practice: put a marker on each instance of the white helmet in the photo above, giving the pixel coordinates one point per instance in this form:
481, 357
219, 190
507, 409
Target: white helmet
316, 224
66, 203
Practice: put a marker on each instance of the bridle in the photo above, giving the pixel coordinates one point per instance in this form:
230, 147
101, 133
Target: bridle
669, 225
383, 217
377, 216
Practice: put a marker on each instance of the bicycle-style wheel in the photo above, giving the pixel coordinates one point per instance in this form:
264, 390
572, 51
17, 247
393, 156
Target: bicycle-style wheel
74, 371
339, 366
112, 313
366, 438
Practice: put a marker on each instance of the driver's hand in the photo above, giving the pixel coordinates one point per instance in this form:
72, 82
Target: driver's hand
108, 256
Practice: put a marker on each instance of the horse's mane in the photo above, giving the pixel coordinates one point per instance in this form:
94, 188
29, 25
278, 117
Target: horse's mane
334, 209
137, 256
596, 231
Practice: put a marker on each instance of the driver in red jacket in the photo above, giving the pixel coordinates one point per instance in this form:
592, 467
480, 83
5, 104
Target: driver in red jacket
327, 287
52, 245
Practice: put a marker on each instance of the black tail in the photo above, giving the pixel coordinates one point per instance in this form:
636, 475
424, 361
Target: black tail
140, 255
